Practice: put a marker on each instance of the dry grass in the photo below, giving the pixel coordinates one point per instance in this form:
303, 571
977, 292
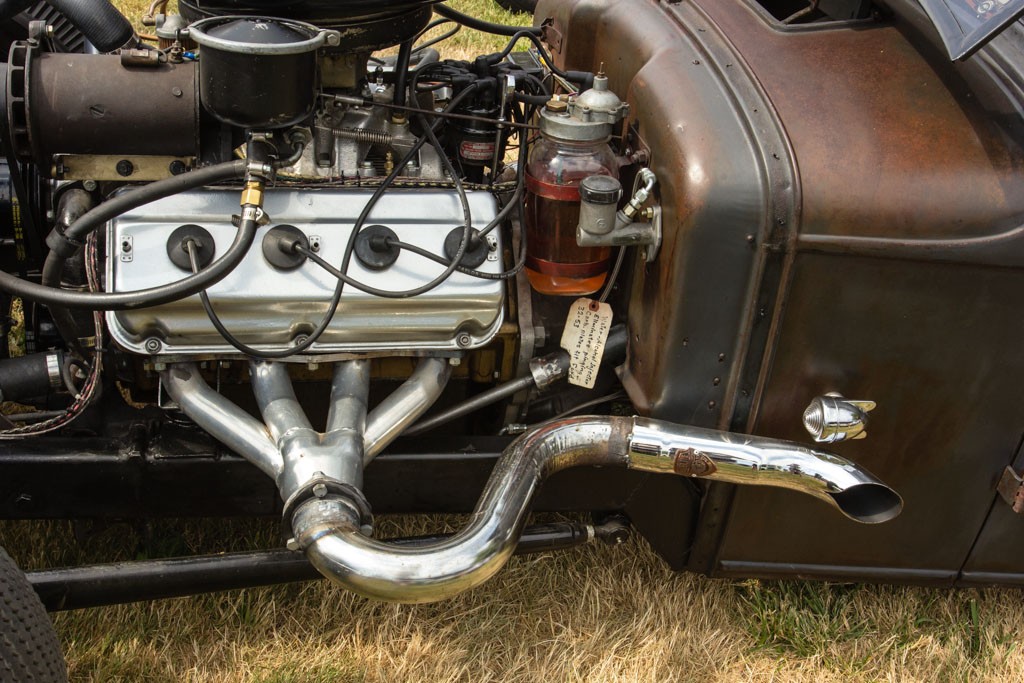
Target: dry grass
596, 614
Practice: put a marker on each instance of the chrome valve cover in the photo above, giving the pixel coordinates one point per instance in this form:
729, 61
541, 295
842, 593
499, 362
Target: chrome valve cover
269, 308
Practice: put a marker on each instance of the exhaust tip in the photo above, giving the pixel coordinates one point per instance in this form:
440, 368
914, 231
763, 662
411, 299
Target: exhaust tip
869, 503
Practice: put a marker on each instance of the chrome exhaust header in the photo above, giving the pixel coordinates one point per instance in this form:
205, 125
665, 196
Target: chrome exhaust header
320, 475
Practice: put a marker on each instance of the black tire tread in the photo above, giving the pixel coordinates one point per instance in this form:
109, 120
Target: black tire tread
29, 649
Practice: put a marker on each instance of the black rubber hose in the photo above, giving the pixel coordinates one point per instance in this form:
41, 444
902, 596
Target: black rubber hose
402, 73
154, 296
28, 376
144, 194
64, 244
481, 25
99, 21
48, 293
73, 204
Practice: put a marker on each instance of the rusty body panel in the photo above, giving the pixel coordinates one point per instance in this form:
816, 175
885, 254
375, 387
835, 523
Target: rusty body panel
844, 211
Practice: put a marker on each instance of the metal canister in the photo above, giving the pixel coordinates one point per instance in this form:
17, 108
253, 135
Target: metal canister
573, 146
563, 157
259, 73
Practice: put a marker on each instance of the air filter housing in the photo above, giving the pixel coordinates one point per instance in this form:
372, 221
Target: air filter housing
367, 25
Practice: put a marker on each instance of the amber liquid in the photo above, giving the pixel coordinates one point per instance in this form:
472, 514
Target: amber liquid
558, 265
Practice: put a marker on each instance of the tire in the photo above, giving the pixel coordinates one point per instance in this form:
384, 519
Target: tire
29, 649
527, 6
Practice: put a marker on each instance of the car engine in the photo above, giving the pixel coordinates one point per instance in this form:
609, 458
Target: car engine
280, 234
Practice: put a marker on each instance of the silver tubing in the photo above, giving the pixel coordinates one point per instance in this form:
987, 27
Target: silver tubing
328, 530
308, 455
481, 400
405, 405
275, 396
349, 391
221, 418
327, 525
346, 420
744, 459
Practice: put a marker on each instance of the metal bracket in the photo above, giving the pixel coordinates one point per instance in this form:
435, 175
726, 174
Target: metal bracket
1011, 488
127, 249
651, 250
551, 35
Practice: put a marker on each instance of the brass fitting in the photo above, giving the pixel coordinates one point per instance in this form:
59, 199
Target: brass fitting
252, 195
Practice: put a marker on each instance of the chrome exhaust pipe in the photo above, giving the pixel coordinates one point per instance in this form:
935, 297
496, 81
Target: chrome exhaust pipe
320, 475
405, 405
328, 530
753, 460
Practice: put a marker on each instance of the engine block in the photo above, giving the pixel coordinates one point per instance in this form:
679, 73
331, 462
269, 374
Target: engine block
271, 308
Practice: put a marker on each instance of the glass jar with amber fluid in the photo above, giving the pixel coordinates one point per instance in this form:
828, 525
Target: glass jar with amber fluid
573, 145
555, 263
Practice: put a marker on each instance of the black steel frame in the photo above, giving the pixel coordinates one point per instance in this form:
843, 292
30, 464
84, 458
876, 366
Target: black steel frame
160, 469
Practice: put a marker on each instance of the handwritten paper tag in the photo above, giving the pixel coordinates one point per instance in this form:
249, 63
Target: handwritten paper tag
586, 331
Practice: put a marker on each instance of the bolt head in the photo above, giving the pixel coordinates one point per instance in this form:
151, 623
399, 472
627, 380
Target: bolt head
320, 490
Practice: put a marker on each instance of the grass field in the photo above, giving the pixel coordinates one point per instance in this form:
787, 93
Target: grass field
594, 614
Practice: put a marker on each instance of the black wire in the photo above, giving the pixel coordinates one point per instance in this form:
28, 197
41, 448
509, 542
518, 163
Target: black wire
480, 24
153, 296
433, 41
402, 73
498, 220
190, 247
432, 25
504, 275
467, 231
53, 296
332, 307
533, 38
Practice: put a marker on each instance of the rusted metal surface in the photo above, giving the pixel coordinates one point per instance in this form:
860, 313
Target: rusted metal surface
721, 193
890, 143
1011, 489
689, 462
998, 553
904, 175
893, 268
938, 347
